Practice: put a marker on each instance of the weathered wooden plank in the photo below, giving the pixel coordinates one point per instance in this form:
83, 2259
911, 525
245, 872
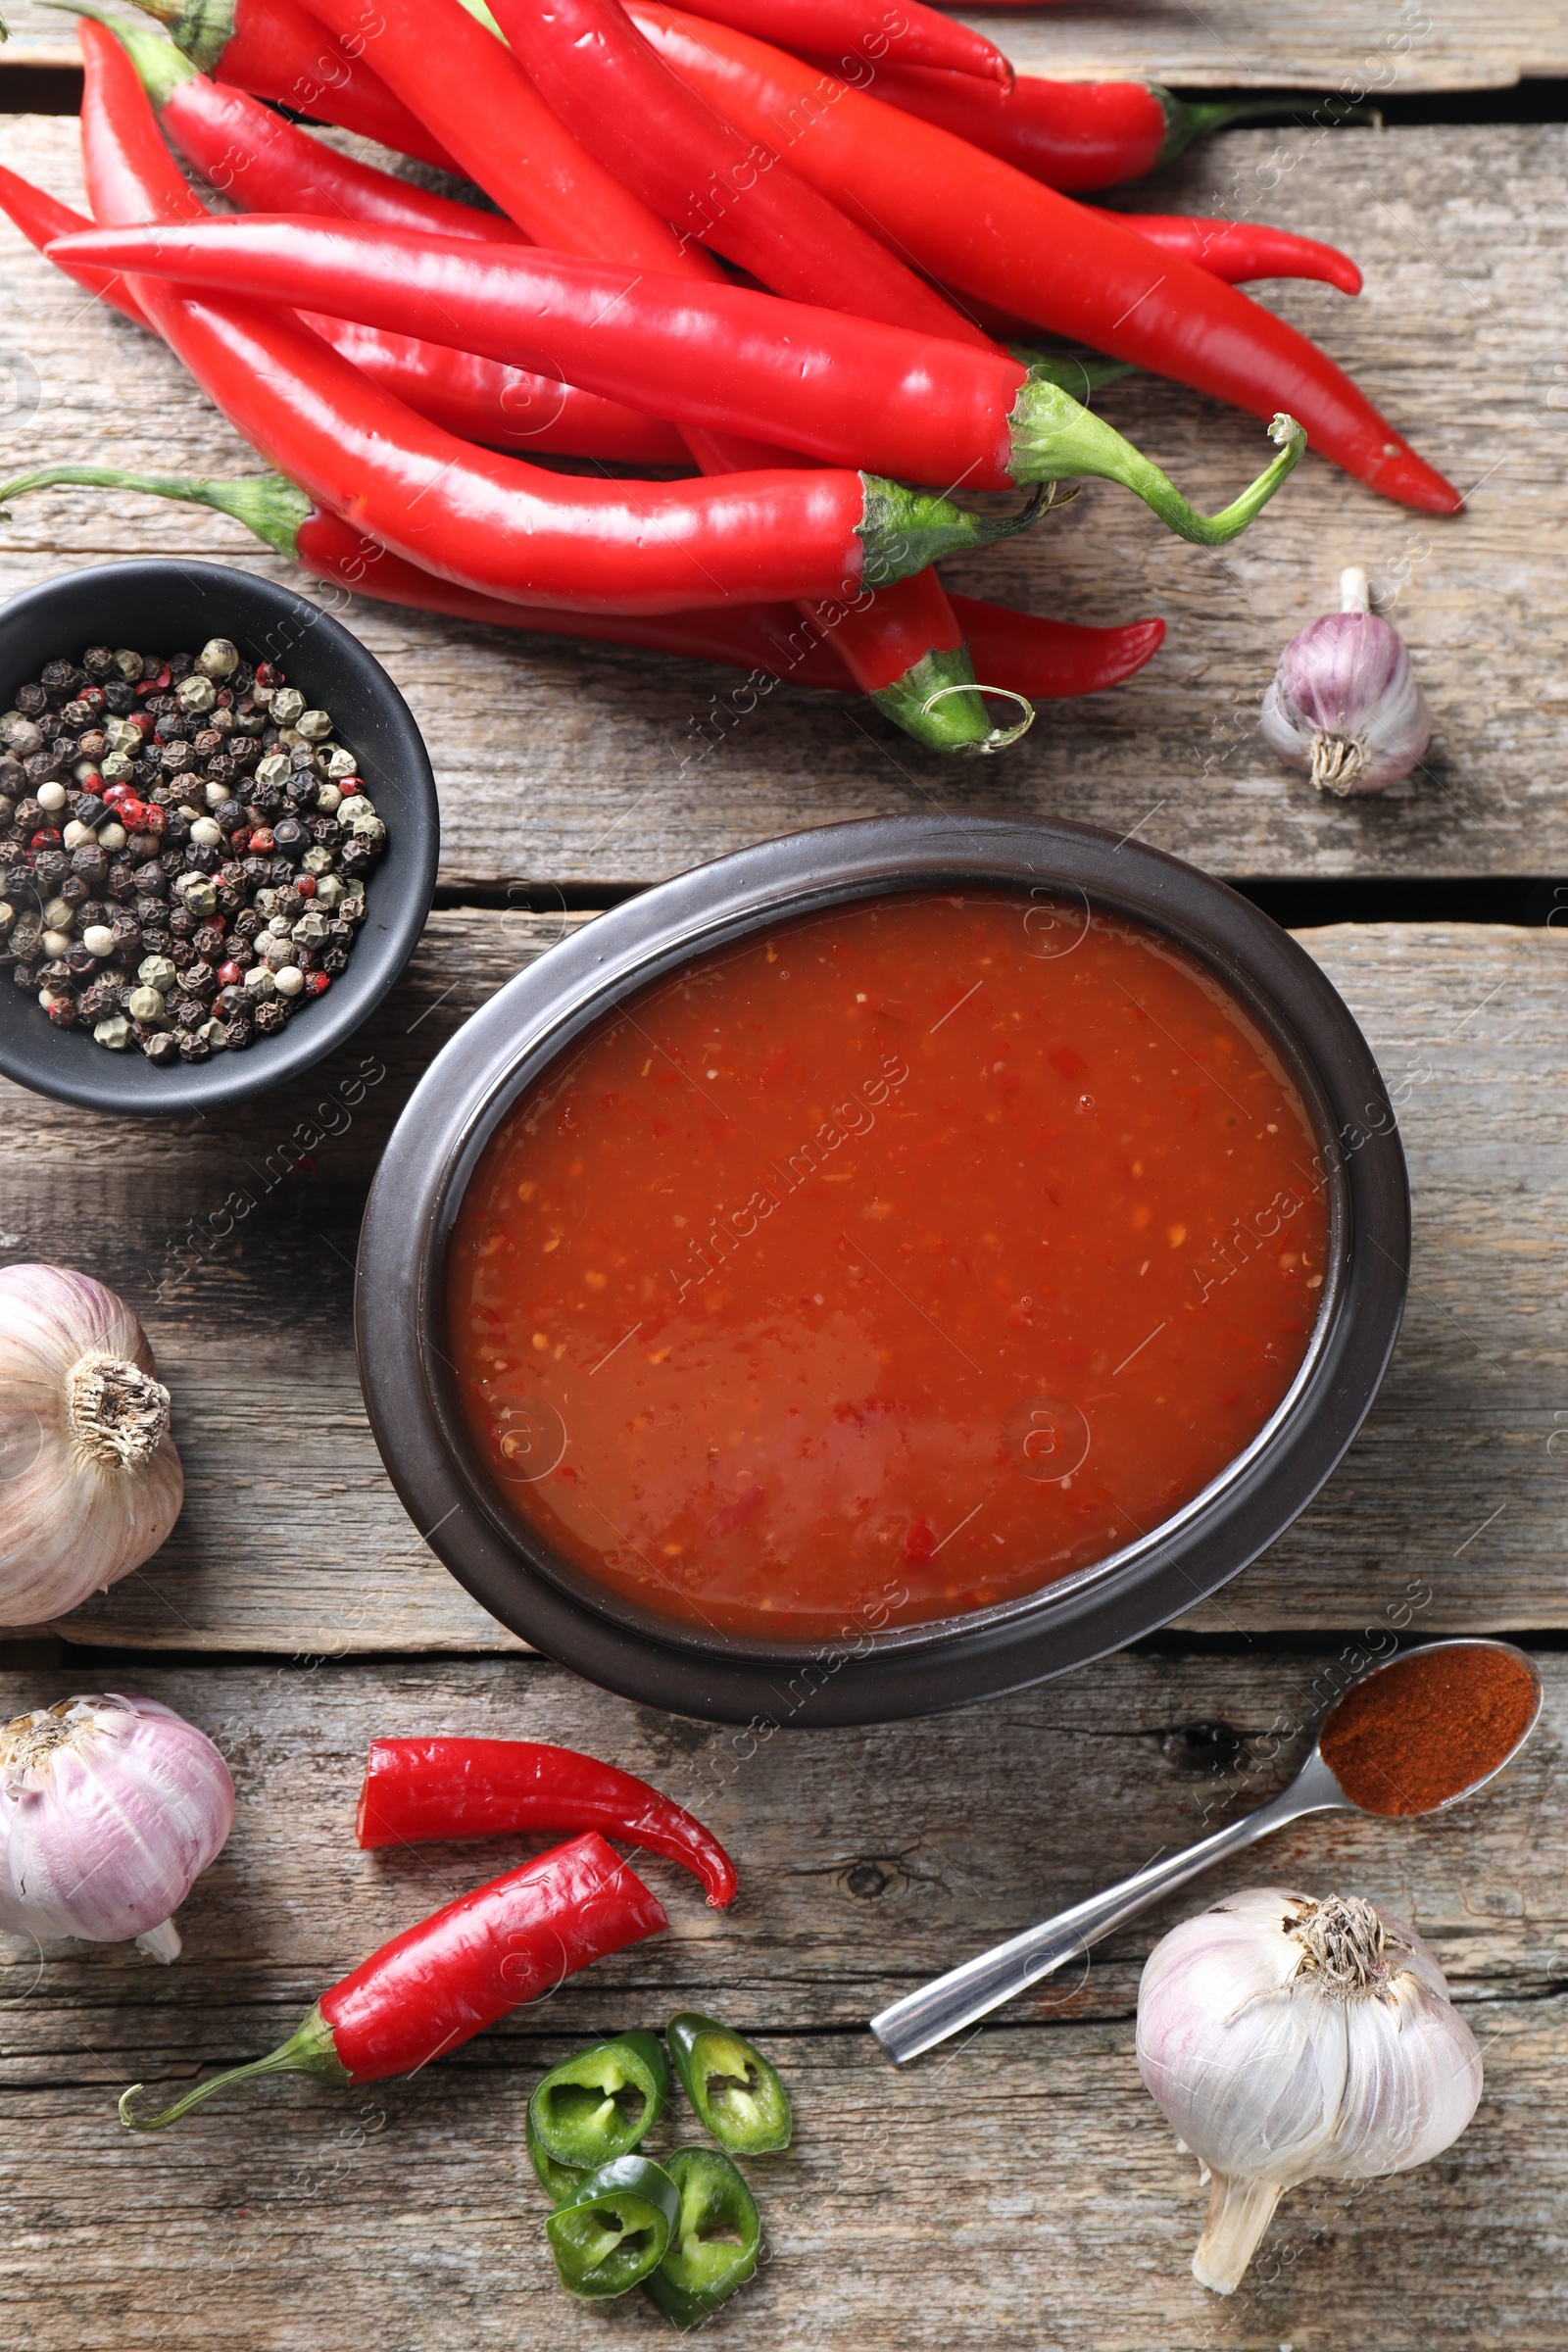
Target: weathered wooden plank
1417, 45
1020, 2182
594, 764
292, 1539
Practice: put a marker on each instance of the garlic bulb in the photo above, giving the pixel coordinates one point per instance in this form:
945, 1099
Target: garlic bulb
109, 1810
89, 1480
1285, 2038
1344, 703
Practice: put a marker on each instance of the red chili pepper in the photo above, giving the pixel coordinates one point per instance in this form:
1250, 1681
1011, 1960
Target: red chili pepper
866, 31
645, 126
484, 520
725, 359
1045, 661
263, 164
967, 219
479, 400
439, 1984
1074, 136
418, 1789
1241, 250
477, 98
277, 49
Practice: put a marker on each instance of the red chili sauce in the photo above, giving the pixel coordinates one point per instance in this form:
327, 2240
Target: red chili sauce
894, 1264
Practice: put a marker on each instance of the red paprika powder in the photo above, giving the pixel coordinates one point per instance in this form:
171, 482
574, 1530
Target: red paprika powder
1423, 1729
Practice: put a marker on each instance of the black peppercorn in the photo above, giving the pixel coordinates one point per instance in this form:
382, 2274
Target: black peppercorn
171, 863
239, 951
155, 943
120, 881
160, 1047
62, 1011
50, 868
99, 1000
209, 942
186, 1013
246, 923
290, 903
25, 975
326, 832
92, 744
229, 814
120, 698
74, 890
180, 665
334, 961
183, 924
31, 700
240, 1032
230, 1001
99, 663
55, 973
257, 872
151, 880
92, 910
202, 858
271, 1016
124, 927
206, 744
199, 979
290, 838
83, 961
180, 953
176, 759
172, 725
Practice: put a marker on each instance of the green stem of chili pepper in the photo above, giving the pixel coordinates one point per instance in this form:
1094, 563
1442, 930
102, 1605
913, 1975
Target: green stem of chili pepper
717, 2240
577, 2113
738, 2095
1054, 438
614, 2228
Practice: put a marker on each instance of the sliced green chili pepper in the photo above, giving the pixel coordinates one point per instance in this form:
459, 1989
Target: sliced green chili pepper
559, 2181
716, 2240
615, 2228
733, 2089
599, 2104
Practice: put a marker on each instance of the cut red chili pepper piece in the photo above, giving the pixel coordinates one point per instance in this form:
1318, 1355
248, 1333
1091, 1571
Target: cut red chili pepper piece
1073, 135
478, 101
277, 49
440, 1982
647, 126
722, 358
968, 219
1047, 661
418, 1789
481, 519
867, 34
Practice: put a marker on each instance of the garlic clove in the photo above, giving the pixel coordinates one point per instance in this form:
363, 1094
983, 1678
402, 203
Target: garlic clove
1344, 705
90, 1482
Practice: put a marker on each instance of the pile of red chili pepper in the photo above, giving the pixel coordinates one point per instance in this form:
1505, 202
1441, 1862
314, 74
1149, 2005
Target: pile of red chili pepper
759, 307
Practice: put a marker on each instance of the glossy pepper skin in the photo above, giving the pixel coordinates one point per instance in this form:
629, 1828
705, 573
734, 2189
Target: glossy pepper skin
1073, 135
481, 519
643, 123
1045, 661
602, 2103
277, 49
444, 1981
481, 104
1238, 250
614, 2228
416, 1790
559, 2181
717, 2240
479, 400
738, 2095
970, 220
723, 359
263, 164
869, 32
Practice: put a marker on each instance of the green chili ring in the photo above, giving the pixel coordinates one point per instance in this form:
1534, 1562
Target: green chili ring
716, 2243
577, 2112
559, 2181
738, 2095
615, 2229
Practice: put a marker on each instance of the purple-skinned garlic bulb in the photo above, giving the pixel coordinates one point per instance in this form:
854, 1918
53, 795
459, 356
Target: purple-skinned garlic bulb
109, 1810
1344, 705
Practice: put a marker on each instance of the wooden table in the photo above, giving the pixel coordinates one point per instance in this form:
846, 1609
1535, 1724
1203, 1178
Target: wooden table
1019, 2187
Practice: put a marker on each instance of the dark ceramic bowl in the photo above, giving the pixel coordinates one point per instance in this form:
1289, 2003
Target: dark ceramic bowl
916, 1669
165, 606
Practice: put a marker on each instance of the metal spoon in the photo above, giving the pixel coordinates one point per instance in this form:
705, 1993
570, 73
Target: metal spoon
949, 2004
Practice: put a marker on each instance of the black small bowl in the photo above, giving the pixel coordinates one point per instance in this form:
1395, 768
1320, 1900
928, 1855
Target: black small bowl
165, 607
916, 1669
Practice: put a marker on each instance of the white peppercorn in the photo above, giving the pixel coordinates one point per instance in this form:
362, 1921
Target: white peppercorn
51, 797
290, 979
98, 940
145, 1003
196, 694
157, 972
259, 980
208, 834
286, 705
315, 725
115, 1033
217, 658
